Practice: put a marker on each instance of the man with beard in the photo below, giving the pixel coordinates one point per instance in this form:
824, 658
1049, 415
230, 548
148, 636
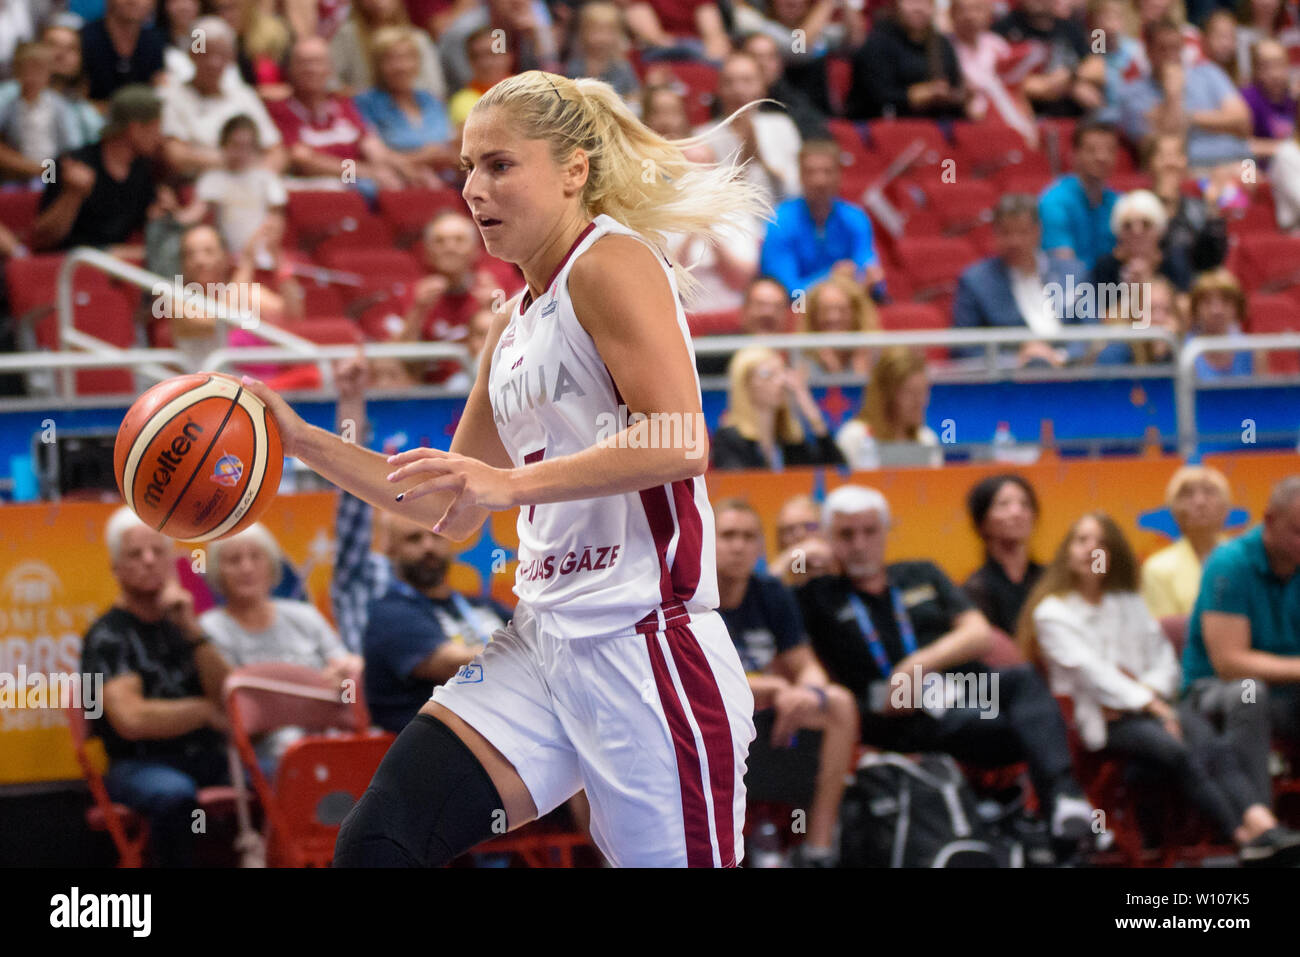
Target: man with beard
420, 632
163, 719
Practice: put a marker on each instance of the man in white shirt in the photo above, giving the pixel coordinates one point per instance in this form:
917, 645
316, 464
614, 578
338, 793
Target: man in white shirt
195, 112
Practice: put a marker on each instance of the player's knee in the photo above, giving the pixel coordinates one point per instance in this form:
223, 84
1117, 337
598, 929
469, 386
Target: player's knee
429, 802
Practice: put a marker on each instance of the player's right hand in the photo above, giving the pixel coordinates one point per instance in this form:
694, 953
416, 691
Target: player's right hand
291, 425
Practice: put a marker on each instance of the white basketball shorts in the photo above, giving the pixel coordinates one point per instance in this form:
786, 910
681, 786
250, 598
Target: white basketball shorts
654, 726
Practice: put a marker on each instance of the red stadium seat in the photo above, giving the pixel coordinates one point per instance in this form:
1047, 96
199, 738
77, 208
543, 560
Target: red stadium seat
966, 209
1014, 180
325, 300
724, 323
1258, 218
839, 78
904, 316
262, 697
1275, 313
353, 234
366, 262
697, 82
1269, 263
326, 330
1126, 182
859, 167
934, 263
990, 148
18, 209
408, 211
891, 137
315, 214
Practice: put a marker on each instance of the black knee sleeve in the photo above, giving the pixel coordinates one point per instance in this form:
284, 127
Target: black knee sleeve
429, 802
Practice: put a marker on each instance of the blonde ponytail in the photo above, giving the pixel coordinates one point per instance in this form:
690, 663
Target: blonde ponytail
636, 176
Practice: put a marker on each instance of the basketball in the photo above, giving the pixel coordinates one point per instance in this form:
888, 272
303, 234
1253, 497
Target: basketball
198, 457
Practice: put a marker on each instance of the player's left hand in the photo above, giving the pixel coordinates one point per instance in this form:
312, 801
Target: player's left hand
477, 484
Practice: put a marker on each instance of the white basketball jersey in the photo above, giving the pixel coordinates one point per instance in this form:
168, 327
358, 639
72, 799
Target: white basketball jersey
596, 566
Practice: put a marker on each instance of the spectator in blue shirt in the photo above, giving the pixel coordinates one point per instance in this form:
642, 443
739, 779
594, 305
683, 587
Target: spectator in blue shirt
1241, 665
420, 632
1076, 209
1199, 101
411, 121
791, 690
1021, 287
819, 234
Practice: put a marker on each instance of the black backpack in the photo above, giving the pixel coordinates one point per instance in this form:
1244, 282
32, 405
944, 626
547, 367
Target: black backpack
905, 812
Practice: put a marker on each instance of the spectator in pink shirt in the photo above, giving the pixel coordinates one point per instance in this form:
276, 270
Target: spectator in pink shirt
978, 51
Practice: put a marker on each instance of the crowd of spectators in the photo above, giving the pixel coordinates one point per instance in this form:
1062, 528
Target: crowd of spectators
1145, 132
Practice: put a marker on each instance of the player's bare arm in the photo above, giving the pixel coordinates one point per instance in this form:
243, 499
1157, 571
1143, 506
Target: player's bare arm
623, 300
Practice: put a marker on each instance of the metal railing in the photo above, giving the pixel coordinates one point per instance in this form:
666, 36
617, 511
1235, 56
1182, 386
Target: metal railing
991, 366
69, 335
1187, 383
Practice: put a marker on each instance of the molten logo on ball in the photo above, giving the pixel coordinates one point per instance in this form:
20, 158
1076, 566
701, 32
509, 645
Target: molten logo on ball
169, 459
227, 471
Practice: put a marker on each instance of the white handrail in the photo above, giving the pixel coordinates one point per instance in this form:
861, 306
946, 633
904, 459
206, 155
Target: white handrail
1194, 348
158, 286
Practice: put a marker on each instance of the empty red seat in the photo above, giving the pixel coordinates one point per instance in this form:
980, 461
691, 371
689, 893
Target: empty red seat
325, 300
1271, 314
723, 323
1258, 218
904, 316
696, 82
1017, 180
934, 262
1268, 263
989, 148
352, 234
326, 330
408, 211
891, 137
314, 214
397, 262
1127, 182
18, 209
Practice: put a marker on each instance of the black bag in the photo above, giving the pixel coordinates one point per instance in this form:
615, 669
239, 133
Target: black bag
900, 812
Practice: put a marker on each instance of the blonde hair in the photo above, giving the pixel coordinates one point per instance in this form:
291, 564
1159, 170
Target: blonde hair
1144, 351
256, 534
865, 317
895, 366
741, 413
635, 176
263, 33
1188, 474
600, 12
384, 40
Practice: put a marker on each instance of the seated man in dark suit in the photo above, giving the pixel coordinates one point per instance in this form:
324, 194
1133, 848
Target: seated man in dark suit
1023, 287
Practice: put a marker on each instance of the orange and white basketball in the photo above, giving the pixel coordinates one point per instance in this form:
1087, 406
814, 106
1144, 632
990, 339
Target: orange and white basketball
198, 457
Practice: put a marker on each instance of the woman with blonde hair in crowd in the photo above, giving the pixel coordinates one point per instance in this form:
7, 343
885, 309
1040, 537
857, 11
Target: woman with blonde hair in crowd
1199, 498
761, 425
1087, 625
839, 305
254, 626
410, 120
350, 48
1160, 307
893, 410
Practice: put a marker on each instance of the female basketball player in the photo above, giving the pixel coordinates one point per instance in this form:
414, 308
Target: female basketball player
616, 675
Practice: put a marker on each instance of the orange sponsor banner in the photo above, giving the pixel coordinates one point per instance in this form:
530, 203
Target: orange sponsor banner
55, 578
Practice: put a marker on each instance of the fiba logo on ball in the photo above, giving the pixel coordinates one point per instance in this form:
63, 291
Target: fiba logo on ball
198, 457
227, 471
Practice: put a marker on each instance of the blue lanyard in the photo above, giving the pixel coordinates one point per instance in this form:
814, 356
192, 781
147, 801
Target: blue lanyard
466, 613
872, 639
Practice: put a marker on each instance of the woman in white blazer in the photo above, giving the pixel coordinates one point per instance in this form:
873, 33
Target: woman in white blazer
1087, 624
